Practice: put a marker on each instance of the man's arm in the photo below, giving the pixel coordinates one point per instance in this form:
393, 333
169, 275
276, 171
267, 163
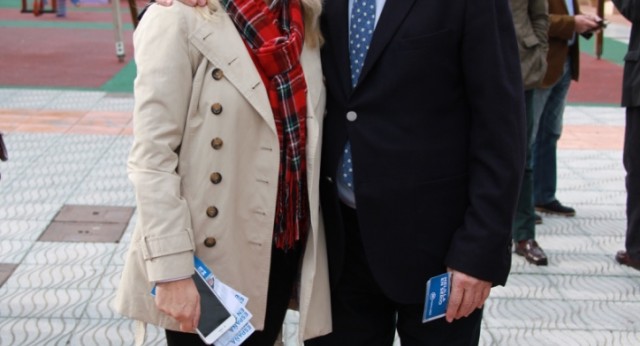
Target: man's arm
479, 255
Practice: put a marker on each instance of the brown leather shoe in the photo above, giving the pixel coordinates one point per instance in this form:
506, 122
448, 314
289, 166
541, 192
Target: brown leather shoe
623, 258
532, 252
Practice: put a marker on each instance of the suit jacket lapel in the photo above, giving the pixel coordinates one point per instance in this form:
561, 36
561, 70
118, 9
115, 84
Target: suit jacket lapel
392, 15
336, 24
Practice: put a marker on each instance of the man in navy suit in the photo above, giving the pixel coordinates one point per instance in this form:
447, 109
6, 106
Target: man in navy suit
423, 154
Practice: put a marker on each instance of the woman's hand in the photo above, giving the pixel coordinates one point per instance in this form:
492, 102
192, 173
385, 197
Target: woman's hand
180, 300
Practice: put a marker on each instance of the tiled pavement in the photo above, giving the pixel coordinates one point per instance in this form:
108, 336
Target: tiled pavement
69, 148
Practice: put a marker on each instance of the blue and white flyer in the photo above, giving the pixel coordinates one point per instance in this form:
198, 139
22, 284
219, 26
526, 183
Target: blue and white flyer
437, 297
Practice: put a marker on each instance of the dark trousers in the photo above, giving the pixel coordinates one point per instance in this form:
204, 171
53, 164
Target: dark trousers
364, 316
631, 160
524, 223
284, 269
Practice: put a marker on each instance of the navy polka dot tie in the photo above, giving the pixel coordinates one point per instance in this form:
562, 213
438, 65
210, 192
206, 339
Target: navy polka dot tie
363, 17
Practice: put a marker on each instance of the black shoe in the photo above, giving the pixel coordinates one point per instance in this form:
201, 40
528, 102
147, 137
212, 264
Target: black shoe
557, 208
538, 219
532, 252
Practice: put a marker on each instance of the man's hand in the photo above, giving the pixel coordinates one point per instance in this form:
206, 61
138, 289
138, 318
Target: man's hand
467, 295
192, 3
586, 23
180, 300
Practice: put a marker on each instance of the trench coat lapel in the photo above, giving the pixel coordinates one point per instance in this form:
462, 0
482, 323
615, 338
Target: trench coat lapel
223, 46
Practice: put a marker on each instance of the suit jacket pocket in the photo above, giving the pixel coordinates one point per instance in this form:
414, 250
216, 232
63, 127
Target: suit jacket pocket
424, 41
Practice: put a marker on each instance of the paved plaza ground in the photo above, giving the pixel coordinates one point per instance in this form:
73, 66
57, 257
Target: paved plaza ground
65, 109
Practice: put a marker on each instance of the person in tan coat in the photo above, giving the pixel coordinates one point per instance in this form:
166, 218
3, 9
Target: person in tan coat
225, 165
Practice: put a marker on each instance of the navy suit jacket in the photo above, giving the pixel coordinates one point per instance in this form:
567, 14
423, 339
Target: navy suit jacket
438, 143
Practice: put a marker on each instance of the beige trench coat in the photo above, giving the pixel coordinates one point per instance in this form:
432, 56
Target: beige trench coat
204, 164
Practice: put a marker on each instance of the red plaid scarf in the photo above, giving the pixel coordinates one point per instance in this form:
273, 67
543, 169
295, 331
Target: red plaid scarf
275, 38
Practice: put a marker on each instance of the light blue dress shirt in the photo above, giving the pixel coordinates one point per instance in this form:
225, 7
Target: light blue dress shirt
572, 12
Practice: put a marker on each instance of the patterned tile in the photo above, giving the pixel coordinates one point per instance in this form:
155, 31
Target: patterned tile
582, 244
111, 277
43, 302
99, 308
96, 254
35, 331
14, 251
76, 100
21, 229
6, 269
100, 332
598, 288
528, 286
530, 314
75, 276
30, 99
555, 337
28, 211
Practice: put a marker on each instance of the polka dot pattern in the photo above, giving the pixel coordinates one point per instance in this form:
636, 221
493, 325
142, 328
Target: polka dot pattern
347, 166
363, 16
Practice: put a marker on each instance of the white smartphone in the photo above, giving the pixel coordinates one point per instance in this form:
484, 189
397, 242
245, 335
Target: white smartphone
215, 319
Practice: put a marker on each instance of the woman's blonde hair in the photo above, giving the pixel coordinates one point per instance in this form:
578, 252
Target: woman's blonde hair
310, 8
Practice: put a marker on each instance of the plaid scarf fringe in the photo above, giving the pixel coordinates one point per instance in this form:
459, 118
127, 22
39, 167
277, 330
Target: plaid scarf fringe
277, 49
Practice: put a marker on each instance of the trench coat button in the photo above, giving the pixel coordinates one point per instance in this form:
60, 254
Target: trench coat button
210, 242
212, 212
216, 108
352, 116
216, 143
215, 177
217, 74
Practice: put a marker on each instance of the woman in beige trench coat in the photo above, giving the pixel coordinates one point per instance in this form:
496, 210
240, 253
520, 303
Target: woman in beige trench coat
209, 172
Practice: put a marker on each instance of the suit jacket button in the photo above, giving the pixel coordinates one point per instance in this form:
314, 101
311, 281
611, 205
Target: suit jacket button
352, 116
216, 143
216, 108
217, 74
210, 242
215, 178
212, 212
